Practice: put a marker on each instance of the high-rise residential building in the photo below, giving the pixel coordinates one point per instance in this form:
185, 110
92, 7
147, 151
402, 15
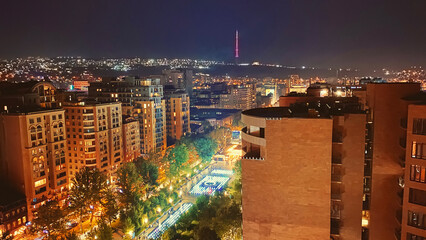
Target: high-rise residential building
387, 209
178, 78
131, 139
16, 95
239, 97
13, 211
413, 215
177, 113
306, 165
141, 99
33, 154
94, 136
386, 150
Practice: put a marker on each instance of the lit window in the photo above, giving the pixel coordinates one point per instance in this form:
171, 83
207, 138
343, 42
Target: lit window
40, 182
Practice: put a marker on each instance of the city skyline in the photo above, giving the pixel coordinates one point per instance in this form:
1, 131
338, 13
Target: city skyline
298, 33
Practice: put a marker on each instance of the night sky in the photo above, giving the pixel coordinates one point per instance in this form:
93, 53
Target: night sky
380, 33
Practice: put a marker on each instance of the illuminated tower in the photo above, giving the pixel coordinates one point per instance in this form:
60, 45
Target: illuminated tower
236, 47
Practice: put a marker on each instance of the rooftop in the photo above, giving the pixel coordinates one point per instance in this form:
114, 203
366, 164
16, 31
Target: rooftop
11, 197
270, 112
8, 88
27, 110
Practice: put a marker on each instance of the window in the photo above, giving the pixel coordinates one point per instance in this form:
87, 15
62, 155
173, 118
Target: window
417, 196
416, 219
40, 182
419, 126
41, 190
417, 173
418, 150
411, 236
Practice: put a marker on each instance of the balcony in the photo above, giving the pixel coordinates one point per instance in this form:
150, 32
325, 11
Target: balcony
335, 209
402, 142
400, 195
88, 124
398, 234
336, 196
403, 123
336, 160
254, 131
402, 161
253, 155
337, 178
335, 227
91, 162
92, 136
91, 150
337, 138
367, 168
398, 216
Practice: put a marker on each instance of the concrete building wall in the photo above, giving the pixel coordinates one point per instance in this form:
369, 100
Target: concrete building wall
352, 163
414, 215
131, 141
32, 155
386, 110
287, 195
95, 137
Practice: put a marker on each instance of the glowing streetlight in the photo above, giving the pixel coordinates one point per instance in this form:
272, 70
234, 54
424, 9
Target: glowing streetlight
159, 209
145, 220
130, 233
170, 200
171, 187
180, 192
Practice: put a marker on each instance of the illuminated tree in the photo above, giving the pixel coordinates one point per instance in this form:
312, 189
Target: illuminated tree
206, 148
51, 218
87, 191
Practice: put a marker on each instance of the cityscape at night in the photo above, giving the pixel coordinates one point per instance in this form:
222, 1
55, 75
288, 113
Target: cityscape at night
213, 120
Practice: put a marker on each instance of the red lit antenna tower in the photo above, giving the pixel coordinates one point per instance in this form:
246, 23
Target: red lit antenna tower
237, 52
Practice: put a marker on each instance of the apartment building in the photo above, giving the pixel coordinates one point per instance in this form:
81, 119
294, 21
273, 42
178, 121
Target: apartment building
386, 210
177, 114
414, 201
306, 165
94, 136
239, 97
141, 99
386, 150
131, 139
33, 154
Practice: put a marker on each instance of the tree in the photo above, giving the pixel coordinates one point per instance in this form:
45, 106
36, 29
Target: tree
206, 233
206, 148
180, 154
87, 190
154, 157
221, 136
104, 231
129, 182
206, 126
51, 218
71, 236
109, 205
128, 226
177, 157
148, 171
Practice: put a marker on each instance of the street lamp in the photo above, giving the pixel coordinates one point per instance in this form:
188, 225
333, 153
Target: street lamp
159, 209
170, 200
145, 220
